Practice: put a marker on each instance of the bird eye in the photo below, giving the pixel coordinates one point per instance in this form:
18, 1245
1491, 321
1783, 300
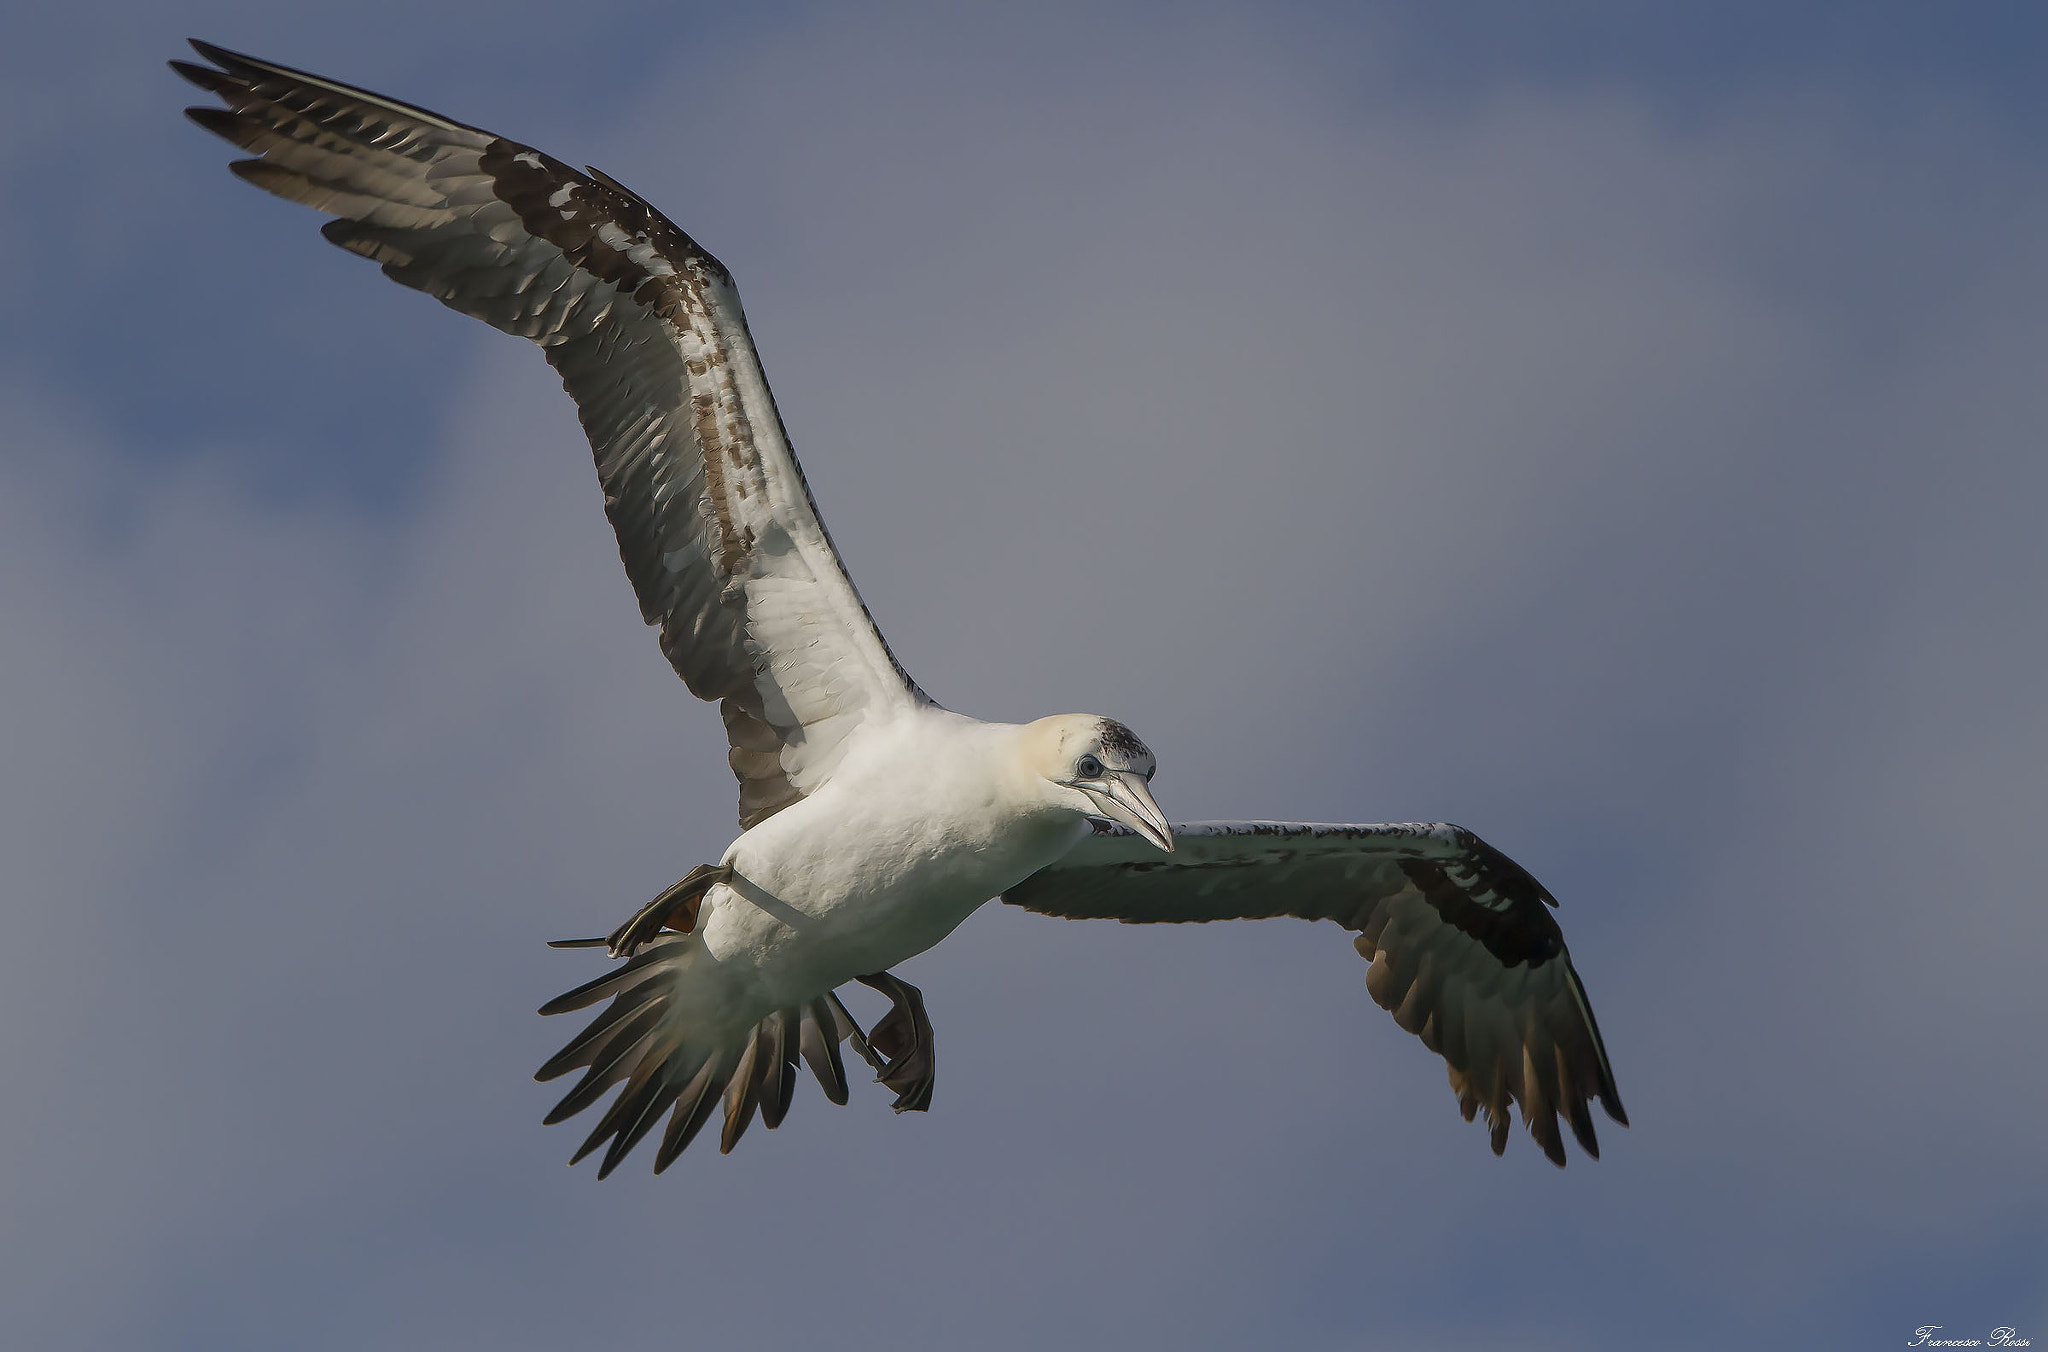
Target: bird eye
1088, 767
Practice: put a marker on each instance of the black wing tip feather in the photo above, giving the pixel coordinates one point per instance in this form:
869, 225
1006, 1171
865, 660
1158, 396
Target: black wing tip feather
208, 78
221, 56
222, 122
1560, 1080
1449, 903
1604, 1088
1547, 1059
240, 68
1557, 1088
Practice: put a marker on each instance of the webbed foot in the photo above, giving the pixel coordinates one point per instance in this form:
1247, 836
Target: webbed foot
902, 1040
674, 909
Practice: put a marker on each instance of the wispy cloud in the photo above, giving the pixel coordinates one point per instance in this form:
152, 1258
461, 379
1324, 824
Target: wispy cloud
1653, 495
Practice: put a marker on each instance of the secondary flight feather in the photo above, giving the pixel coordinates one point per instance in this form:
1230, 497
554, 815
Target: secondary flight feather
873, 820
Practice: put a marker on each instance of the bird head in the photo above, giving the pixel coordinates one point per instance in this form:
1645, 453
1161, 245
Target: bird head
1098, 767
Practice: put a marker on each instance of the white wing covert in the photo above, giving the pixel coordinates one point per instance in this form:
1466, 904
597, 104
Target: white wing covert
715, 524
1464, 951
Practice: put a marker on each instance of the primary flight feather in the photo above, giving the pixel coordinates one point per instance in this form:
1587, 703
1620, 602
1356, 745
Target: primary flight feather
873, 820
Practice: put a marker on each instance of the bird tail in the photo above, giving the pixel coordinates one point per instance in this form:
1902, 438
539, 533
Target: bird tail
644, 1040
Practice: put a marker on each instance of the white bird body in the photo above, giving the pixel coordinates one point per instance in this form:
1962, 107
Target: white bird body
874, 820
929, 815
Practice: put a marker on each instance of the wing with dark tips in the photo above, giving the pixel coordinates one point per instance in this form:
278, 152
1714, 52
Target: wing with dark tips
715, 525
1465, 953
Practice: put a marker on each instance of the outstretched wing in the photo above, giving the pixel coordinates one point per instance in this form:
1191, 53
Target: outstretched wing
715, 524
1464, 951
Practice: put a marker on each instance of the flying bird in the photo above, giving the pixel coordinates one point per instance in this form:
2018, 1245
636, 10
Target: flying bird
873, 821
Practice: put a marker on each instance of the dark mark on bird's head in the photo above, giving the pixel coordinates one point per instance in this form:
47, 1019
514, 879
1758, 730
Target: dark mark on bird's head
1121, 742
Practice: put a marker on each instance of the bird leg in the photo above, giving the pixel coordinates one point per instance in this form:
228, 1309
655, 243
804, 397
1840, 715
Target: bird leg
903, 1038
899, 1048
675, 909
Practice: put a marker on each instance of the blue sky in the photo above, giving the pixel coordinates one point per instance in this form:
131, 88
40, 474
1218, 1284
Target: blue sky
1619, 435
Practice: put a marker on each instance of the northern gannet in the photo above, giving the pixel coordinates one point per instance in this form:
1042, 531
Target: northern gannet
873, 821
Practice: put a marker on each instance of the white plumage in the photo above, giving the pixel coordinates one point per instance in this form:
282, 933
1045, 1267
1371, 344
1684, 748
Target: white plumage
874, 820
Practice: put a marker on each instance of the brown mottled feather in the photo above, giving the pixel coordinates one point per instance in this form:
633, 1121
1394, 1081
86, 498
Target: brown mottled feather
646, 331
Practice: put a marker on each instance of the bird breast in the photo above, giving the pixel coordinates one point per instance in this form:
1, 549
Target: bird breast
924, 820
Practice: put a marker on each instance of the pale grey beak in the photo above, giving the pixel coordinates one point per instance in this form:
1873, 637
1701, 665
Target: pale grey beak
1123, 797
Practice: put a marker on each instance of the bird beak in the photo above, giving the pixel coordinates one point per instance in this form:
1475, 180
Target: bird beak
1124, 798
